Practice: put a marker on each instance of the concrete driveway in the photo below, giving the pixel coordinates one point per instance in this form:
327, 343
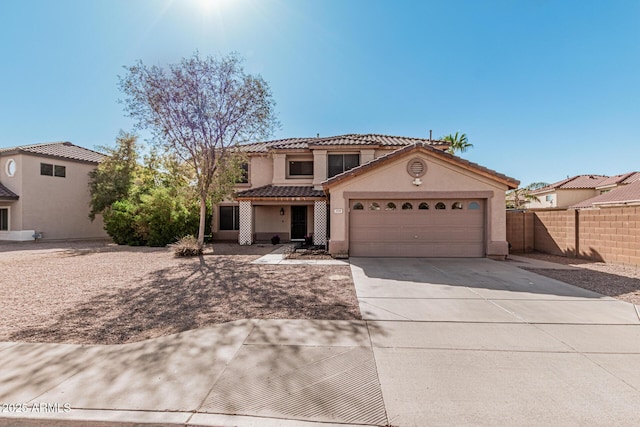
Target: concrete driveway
444, 342
475, 341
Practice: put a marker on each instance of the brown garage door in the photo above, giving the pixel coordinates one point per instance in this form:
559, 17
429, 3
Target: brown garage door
417, 228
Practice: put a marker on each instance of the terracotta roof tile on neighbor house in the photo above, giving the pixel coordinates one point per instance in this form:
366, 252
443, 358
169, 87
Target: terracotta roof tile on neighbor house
511, 182
625, 178
281, 192
64, 150
350, 139
6, 194
575, 182
625, 194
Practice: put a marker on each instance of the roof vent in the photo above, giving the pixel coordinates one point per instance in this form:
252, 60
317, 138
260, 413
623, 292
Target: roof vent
416, 167
67, 143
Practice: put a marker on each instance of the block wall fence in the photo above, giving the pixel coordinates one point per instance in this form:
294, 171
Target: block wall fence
609, 234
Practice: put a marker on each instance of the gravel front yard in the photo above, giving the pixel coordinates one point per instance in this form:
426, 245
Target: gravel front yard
613, 280
98, 293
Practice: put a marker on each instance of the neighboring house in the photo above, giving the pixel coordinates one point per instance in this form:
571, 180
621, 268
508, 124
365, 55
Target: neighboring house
574, 190
625, 195
369, 195
44, 189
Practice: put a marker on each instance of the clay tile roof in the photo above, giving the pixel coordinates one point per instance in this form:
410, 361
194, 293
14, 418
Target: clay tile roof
280, 192
575, 182
624, 194
511, 182
64, 150
349, 139
632, 177
6, 194
625, 178
264, 147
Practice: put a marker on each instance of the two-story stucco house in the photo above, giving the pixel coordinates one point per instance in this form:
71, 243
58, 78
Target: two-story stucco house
368, 195
574, 190
44, 189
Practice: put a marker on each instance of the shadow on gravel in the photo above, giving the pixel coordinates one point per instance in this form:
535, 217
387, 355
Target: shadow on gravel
612, 285
201, 292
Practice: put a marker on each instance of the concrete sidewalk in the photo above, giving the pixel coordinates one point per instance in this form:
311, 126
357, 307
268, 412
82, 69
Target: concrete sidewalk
443, 342
267, 371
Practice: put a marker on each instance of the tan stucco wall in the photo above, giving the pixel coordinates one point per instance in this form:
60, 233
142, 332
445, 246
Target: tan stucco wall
319, 167
562, 198
272, 168
268, 219
280, 168
13, 183
57, 207
260, 171
440, 177
568, 198
542, 201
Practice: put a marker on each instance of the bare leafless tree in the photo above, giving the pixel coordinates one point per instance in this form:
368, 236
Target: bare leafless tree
200, 110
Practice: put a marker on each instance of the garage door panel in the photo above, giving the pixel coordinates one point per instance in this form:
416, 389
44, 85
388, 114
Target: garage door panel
392, 234
433, 250
417, 233
416, 220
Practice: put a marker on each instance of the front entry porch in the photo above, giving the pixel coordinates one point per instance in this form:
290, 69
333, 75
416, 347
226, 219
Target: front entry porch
267, 212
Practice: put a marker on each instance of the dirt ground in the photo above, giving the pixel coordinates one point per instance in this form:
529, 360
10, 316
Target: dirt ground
618, 281
99, 293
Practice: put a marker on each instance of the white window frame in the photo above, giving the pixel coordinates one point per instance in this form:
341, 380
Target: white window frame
15, 167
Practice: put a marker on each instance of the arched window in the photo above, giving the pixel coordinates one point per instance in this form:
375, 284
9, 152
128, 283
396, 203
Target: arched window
358, 206
390, 206
423, 206
406, 206
441, 205
473, 206
374, 206
456, 205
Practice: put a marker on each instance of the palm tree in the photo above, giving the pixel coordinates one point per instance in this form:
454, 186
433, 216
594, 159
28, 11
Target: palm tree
459, 142
518, 198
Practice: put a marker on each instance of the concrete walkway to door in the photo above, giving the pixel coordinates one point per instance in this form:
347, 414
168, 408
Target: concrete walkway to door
475, 341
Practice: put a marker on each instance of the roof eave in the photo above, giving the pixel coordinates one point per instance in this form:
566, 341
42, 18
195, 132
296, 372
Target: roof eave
343, 146
285, 150
20, 151
449, 158
68, 159
617, 203
280, 199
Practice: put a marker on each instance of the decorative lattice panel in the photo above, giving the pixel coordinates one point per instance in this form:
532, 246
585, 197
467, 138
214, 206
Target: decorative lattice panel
245, 236
320, 222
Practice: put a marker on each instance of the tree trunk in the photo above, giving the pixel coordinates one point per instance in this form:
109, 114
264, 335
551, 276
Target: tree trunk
203, 218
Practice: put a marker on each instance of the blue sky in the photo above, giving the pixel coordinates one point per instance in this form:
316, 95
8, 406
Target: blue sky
543, 88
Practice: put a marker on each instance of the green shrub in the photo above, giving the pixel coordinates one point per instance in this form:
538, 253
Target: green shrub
157, 218
165, 217
187, 246
120, 223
